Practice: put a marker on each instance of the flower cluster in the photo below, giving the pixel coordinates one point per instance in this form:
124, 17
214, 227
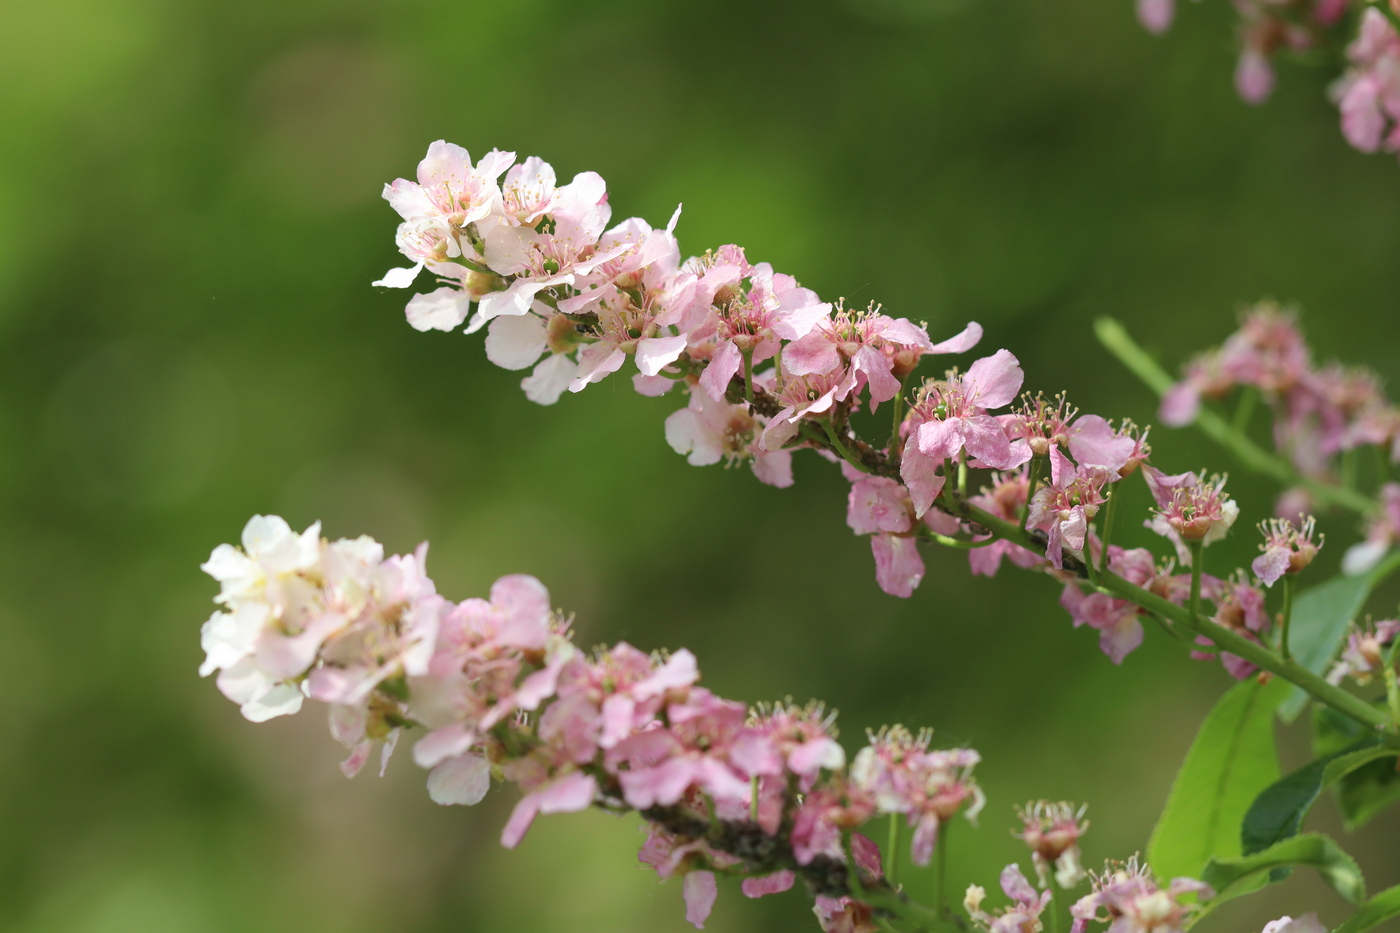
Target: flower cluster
1318, 412
498, 689
768, 369
1367, 94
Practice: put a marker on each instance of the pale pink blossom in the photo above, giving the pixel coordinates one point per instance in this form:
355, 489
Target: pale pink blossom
1052, 832
1308, 923
950, 416
1190, 508
851, 346
801, 397
1364, 654
552, 257
902, 775
752, 320
1369, 93
1129, 899
450, 195
710, 431
1288, 548
1156, 15
1382, 532
1021, 916
1006, 499
1064, 511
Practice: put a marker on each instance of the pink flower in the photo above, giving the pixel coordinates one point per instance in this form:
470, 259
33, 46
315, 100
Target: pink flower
1383, 532
1120, 632
1254, 76
552, 257
1308, 923
951, 416
449, 196
1288, 548
1362, 658
1005, 499
710, 431
877, 504
802, 397
1156, 15
1190, 509
743, 309
800, 741
902, 776
664, 764
850, 345
1369, 93
1240, 608
1127, 897
1064, 512
1022, 915
1038, 429
1052, 831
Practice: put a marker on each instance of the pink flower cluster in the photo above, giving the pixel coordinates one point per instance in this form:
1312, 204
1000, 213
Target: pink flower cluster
1318, 412
768, 368
1367, 94
497, 689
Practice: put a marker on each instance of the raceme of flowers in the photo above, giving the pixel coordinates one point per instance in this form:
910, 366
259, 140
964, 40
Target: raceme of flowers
1322, 418
768, 369
496, 688
1368, 91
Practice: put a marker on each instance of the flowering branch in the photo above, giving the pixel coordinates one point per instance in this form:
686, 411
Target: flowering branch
767, 794
1231, 436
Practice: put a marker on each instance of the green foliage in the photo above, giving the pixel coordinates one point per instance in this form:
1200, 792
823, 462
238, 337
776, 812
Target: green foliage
1278, 812
1318, 625
1378, 909
1232, 877
1230, 762
1365, 790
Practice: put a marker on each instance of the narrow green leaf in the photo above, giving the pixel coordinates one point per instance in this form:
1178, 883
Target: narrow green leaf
1278, 812
1318, 625
1230, 762
1378, 909
1232, 877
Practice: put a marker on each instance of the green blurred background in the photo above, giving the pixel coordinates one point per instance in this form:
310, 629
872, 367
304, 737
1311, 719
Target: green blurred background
189, 223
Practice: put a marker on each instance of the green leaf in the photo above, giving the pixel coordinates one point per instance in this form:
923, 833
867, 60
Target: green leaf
1230, 762
1317, 627
1365, 790
1232, 877
1377, 910
1368, 790
1278, 812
